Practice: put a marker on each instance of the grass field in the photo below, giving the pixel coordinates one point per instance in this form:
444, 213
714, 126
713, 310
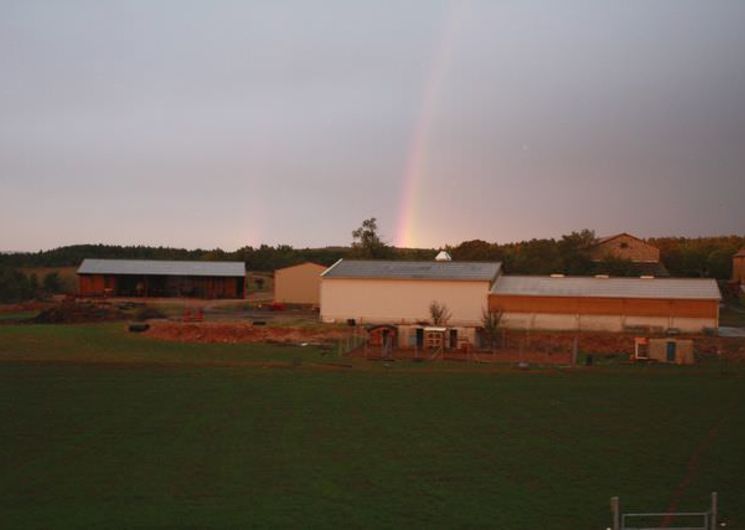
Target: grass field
107, 429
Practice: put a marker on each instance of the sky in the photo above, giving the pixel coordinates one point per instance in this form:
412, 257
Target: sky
230, 123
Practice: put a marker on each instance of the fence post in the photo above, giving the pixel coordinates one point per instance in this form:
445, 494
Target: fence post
714, 510
616, 511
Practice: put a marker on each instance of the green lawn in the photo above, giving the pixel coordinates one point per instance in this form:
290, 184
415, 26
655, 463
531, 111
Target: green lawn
101, 428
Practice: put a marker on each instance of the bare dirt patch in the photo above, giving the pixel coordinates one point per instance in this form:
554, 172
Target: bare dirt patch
238, 332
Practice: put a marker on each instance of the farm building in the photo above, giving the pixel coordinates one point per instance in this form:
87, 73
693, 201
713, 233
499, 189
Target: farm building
624, 246
201, 279
400, 292
738, 267
606, 304
298, 284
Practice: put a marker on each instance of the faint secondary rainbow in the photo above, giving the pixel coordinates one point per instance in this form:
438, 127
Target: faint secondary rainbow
407, 231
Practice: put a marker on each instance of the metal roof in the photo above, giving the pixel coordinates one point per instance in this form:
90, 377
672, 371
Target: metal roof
162, 268
415, 270
660, 288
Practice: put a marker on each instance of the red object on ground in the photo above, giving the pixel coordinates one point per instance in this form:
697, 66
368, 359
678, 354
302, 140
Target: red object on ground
277, 306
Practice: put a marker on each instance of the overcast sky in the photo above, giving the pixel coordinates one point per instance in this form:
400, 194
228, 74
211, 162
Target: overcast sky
216, 123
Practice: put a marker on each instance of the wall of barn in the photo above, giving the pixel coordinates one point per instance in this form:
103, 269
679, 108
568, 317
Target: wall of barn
298, 285
604, 314
626, 247
738, 269
400, 301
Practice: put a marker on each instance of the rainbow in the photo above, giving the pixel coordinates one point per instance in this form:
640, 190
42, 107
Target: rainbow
408, 233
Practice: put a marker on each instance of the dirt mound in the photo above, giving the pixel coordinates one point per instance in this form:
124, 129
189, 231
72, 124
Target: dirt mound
74, 312
215, 332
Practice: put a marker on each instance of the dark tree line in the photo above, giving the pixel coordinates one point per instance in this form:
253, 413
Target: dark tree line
683, 257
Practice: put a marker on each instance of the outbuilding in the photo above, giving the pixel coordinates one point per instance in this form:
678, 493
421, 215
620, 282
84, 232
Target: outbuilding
606, 304
401, 292
298, 284
200, 279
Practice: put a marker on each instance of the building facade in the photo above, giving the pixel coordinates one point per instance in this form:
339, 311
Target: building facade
624, 246
401, 292
298, 284
154, 278
606, 304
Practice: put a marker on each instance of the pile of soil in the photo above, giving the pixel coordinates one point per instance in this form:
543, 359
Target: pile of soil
236, 332
74, 312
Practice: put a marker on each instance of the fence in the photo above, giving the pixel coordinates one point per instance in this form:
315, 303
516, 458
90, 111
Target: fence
642, 521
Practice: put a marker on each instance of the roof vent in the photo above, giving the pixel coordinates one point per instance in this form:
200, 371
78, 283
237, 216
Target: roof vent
557, 275
646, 277
604, 276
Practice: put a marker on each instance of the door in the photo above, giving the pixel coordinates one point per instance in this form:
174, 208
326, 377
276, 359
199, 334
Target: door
671, 352
419, 338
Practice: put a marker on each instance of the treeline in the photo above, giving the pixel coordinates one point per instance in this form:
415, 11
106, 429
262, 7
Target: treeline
702, 257
684, 257
263, 258
18, 287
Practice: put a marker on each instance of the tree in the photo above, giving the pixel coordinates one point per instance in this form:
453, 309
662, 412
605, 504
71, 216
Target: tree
490, 321
52, 283
367, 243
440, 313
574, 249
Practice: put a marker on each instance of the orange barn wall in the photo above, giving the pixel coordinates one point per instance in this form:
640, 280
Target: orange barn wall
738, 269
604, 306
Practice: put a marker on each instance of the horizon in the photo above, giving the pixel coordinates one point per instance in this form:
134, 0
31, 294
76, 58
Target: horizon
348, 245
223, 125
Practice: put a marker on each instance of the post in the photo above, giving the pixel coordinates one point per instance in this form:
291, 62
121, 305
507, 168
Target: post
615, 508
575, 348
714, 510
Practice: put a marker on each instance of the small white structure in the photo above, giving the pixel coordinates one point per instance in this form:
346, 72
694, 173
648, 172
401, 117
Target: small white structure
443, 256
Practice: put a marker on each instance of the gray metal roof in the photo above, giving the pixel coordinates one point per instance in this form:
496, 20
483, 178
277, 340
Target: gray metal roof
415, 270
661, 288
162, 268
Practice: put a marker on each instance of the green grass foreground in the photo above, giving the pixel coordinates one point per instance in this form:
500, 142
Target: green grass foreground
105, 429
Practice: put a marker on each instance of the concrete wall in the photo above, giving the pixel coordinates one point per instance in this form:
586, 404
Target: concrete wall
616, 323
300, 284
401, 301
626, 247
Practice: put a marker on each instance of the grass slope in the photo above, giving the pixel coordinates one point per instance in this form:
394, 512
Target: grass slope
155, 437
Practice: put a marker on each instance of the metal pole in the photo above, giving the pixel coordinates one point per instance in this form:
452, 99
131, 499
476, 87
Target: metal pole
615, 508
714, 510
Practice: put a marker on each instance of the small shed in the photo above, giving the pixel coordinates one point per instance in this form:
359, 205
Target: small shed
298, 284
664, 350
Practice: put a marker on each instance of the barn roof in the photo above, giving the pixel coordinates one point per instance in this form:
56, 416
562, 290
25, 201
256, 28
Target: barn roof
415, 270
162, 267
659, 288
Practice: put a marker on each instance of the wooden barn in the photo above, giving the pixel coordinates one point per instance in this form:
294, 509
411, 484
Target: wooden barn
606, 304
155, 278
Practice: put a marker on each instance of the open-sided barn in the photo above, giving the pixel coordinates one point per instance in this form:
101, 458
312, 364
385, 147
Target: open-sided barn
201, 279
608, 304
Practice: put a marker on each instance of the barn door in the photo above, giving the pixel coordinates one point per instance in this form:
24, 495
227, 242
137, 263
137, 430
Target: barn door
671, 352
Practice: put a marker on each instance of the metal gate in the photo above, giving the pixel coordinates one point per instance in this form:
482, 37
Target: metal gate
665, 520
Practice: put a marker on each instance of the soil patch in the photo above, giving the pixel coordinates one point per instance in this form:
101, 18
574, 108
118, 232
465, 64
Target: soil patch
239, 332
